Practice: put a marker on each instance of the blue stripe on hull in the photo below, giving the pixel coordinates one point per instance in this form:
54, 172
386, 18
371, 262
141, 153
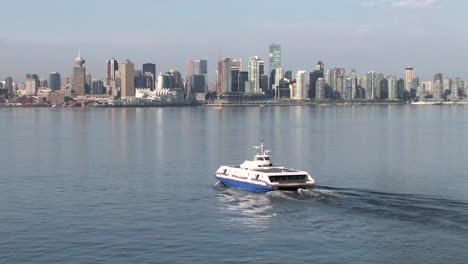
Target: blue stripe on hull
244, 185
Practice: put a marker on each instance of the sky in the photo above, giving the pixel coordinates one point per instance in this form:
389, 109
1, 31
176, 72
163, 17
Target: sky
380, 35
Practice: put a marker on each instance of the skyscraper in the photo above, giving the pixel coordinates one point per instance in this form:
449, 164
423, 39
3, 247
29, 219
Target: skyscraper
392, 87
437, 90
54, 81
127, 75
79, 76
112, 68
302, 85
149, 68
370, 85
320, 89
255, 73
243, 77
97, 87
197, 76
224, 74
9, 85
32, 84
408, 79
275, 56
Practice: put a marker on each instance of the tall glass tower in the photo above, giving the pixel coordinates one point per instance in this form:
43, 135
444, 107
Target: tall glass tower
275, 56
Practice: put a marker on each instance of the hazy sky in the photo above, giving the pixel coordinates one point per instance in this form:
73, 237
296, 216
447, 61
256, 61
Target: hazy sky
381, 35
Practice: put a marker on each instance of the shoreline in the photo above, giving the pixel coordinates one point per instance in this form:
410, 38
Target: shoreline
244, 104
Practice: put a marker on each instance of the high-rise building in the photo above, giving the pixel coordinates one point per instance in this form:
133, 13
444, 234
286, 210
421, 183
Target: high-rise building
54, 81
255, 73
302, 86
320, 66
127, 76
199, 68
224, 78
456, 86
438, 77
353, 85
149, 68
275, 63
401, 88
320, 89
379, 77
392, 87
437, 90
144, 80
408, 79
177, 79
112, 68
370, 85
79, 76
313, 77
9, 85
97, 87
243, 77
446, 85
275, 56
288, 75
32, 84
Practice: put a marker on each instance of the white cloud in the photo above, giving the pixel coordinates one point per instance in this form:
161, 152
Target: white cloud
400, 3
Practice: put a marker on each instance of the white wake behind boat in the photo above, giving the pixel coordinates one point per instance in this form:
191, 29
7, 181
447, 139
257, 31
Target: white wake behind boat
260, 175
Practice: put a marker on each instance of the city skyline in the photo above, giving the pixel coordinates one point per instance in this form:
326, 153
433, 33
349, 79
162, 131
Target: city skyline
365, 35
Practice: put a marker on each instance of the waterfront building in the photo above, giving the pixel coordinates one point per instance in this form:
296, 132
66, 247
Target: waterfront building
400, 88
437, 90
243, 78
144, 80
88, 81
302, 86
112, 66
371, 85
224, 74
149, 68
408, 79
127, 76
427, 87
456, 86
353, 85
197, 83
32, 84
392, 87
97, 87
446, 85
275, 56
79, 76
255, 73
8, 85
197, 71
275, 63
54, 81
313, 77
236, 67
320, 89
439, 77
264, 84
177, 80
379, 77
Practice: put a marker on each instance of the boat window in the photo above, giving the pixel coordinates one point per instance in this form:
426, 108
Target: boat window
267, 158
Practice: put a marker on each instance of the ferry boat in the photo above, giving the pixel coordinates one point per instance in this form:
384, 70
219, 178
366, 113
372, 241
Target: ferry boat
260, 175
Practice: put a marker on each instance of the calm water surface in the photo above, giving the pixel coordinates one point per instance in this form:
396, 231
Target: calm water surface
137, 185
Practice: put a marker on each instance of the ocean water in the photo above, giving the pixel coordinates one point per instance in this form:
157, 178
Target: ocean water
137, 185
